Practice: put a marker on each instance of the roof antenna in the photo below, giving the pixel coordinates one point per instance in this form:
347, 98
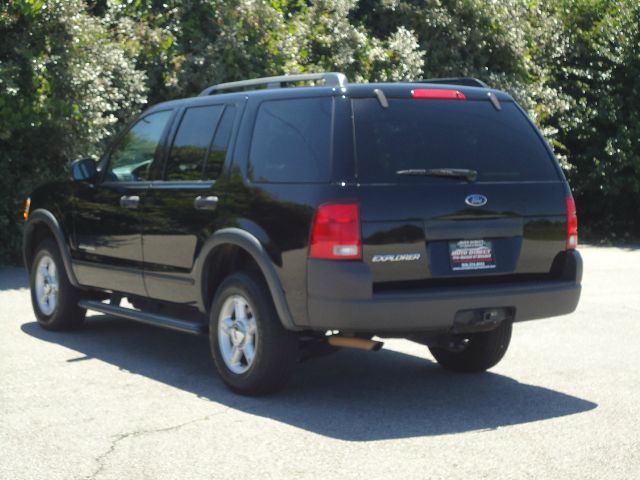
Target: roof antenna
381, 98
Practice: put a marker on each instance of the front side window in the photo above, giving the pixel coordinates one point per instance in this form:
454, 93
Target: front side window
292, 141
131, 159
191, 143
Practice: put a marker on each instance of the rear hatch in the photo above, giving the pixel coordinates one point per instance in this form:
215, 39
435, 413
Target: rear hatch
460, 190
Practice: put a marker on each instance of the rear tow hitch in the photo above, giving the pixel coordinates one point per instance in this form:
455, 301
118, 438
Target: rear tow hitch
481, 320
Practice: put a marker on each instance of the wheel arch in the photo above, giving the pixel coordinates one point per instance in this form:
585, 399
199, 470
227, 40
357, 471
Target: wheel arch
43, 224
251, 254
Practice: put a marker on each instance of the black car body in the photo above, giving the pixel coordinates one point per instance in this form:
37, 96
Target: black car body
428, 211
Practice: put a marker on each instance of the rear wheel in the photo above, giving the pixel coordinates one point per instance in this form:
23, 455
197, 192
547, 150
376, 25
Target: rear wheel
483, 351
54, 299
253, 352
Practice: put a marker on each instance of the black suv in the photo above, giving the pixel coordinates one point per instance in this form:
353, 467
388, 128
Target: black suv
287, 222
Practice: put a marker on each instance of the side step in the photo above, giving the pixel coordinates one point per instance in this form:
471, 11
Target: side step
145, 317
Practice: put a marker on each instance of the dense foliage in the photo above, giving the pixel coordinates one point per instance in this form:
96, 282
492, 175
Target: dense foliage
72, 72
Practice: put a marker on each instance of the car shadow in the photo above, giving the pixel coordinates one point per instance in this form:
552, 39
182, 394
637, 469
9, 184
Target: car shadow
351, 395
630, 247
13, 278
627, 247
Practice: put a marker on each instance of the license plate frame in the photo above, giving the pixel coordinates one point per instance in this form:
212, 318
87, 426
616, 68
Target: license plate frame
471, 255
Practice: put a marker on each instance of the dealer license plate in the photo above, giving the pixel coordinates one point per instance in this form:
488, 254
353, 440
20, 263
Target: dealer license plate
471, 255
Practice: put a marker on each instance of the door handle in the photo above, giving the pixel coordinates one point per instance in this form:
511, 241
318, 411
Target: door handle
205, 203
129, 201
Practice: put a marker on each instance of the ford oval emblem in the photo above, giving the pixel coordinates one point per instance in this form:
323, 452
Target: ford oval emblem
476, 200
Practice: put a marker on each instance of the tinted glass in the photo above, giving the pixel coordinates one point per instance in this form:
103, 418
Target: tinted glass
423, 134
186, 159
218, 151
291, 141
131, 159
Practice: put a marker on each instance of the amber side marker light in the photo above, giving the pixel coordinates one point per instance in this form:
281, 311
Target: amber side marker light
27, 205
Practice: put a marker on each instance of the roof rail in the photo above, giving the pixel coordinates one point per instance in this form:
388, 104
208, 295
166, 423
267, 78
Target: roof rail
331, 79
466, 81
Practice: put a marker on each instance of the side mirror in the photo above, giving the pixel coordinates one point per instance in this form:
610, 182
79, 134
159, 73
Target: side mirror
84, 170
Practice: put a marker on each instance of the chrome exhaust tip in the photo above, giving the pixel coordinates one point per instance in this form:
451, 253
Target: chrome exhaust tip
354, 342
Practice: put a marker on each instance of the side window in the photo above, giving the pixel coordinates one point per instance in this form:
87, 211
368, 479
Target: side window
218, 151
130, 160
192, 141
291, 141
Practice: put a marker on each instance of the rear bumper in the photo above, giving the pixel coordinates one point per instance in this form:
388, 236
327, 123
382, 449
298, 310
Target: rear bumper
340, 298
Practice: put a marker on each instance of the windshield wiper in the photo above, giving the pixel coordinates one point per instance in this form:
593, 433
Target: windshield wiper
464, 173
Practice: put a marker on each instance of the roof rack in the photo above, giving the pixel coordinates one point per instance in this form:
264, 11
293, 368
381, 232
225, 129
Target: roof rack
331, 79
465, 81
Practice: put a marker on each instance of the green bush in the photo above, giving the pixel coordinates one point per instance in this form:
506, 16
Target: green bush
600, 132
65, 85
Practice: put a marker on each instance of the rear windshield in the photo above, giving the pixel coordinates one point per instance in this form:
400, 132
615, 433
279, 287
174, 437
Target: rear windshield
430, 134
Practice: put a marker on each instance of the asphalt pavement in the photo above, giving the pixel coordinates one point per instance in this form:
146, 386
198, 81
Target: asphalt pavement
121, 400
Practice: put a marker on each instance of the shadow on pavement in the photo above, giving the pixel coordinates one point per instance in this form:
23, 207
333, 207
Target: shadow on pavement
627, 247
13, 278
352, 395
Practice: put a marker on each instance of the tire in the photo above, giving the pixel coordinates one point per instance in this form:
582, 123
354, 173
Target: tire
253, 352
54, 299
484, 350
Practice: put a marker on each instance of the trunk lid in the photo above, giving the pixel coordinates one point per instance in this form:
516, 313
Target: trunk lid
510, 222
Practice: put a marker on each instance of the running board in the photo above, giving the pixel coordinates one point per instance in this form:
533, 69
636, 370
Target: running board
145, 317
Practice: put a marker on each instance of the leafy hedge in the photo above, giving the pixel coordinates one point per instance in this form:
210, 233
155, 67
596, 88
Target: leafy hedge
71, 72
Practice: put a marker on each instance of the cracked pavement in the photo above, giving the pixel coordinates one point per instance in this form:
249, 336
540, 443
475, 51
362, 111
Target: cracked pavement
120, 400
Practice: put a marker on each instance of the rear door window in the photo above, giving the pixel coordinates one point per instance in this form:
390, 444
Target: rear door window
292, 141
421, 134
191, 144
218, 150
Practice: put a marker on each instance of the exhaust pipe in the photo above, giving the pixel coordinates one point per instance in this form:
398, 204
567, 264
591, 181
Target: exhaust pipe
354, 342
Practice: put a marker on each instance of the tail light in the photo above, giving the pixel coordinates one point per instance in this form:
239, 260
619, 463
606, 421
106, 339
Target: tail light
437, 94
336, 232
572, 224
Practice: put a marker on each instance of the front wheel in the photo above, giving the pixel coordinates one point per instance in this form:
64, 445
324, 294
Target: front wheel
54, 299
253, 352
483, 351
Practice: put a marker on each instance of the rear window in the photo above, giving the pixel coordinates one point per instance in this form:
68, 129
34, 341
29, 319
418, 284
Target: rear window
291, 141
422, 134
